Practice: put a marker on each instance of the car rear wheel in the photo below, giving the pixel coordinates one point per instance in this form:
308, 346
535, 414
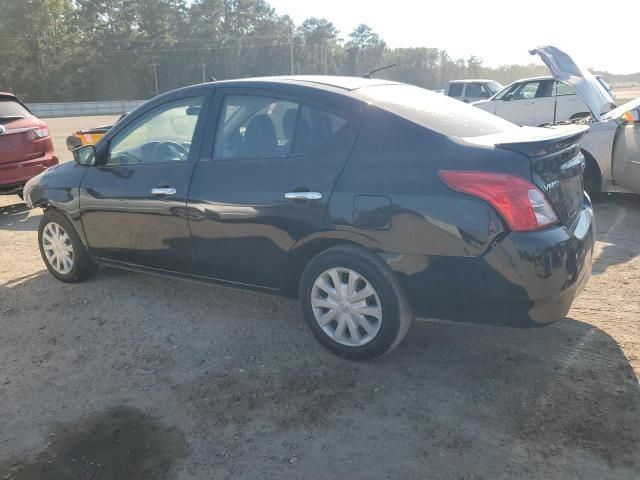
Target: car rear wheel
592, 177
353, 303
62, 250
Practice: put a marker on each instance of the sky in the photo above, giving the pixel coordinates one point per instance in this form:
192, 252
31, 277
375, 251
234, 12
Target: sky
597, 34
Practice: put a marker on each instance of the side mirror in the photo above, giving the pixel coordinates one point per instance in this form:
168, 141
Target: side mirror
85, 155
194, 110
632, 116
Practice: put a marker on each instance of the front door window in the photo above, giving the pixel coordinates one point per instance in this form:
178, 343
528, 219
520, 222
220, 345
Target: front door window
161, 135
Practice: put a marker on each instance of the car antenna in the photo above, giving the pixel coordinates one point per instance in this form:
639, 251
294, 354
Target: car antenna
212, 79
368, 75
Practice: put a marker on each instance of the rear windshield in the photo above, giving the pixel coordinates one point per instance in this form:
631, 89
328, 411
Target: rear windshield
11, 110
433, 111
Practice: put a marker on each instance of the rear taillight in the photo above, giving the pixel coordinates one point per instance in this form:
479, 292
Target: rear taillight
38, 133
522, 205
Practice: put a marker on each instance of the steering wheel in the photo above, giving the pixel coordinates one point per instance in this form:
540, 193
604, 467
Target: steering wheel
169, 151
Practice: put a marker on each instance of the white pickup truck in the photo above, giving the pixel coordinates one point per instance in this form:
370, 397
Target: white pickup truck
536, 101
472, 90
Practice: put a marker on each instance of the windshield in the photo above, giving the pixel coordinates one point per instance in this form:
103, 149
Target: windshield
503, 92
12, 110
436, 112
494, 87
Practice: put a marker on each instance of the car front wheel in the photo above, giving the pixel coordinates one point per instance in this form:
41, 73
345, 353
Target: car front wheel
353, 303
62, 250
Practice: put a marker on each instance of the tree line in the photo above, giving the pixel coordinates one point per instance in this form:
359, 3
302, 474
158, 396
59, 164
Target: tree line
85, 50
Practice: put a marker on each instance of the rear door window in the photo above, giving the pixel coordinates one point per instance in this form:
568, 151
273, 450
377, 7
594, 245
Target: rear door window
314, 128
563, 89
455, 89
256, 126
477, 90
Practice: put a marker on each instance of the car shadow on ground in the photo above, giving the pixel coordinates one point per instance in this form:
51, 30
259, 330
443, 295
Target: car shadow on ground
16, 217
255, 396
618, 229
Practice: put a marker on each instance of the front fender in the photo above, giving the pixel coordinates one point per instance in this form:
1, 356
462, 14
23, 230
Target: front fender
58, 187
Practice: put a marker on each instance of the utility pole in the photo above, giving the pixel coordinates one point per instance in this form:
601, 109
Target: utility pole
155, 66
291, 49
203, 64
326, 66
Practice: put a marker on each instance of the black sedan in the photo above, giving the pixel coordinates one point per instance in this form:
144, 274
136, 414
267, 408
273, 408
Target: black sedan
370, 200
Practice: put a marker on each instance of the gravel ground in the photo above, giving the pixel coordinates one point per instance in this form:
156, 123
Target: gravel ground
133, 376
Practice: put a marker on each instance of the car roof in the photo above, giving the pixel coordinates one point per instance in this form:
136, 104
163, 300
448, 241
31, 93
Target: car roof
473, 80
7, 94
326, 82
533, 79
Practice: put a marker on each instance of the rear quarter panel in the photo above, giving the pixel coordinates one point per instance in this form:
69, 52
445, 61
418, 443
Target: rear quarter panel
399, 160
598, 142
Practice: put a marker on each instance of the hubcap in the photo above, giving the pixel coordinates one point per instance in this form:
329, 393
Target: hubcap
346, 307
57, 248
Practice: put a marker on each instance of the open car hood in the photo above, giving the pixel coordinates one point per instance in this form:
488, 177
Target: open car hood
564, 69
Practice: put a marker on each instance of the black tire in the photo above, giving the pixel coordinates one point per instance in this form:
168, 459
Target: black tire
592, 178
83, 266
396, 314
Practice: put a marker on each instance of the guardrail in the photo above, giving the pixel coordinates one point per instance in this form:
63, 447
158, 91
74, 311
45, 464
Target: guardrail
75, 109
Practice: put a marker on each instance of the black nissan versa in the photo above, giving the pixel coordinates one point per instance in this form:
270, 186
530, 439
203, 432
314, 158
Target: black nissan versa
370, 200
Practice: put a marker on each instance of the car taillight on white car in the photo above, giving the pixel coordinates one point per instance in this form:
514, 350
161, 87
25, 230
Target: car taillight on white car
521, 204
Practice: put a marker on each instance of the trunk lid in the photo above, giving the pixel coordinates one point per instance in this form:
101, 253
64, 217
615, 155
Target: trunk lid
557, 163
18, 142
566, 70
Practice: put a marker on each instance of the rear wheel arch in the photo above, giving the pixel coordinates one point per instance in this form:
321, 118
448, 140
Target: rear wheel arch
394, 312
300, 257
592, 174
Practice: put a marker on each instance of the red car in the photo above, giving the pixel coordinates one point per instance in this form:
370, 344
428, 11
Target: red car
26, 147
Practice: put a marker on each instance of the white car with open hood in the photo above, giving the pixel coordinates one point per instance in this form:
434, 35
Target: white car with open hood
612, 145
536, 101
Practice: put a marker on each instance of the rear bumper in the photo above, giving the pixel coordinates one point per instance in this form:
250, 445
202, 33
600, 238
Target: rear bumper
552, 266
15, 174
526, 278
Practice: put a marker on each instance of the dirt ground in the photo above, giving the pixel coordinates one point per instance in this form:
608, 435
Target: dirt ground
133, 376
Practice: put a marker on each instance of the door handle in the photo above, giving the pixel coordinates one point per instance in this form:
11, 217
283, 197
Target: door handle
163, 191
303, 196
528, 103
